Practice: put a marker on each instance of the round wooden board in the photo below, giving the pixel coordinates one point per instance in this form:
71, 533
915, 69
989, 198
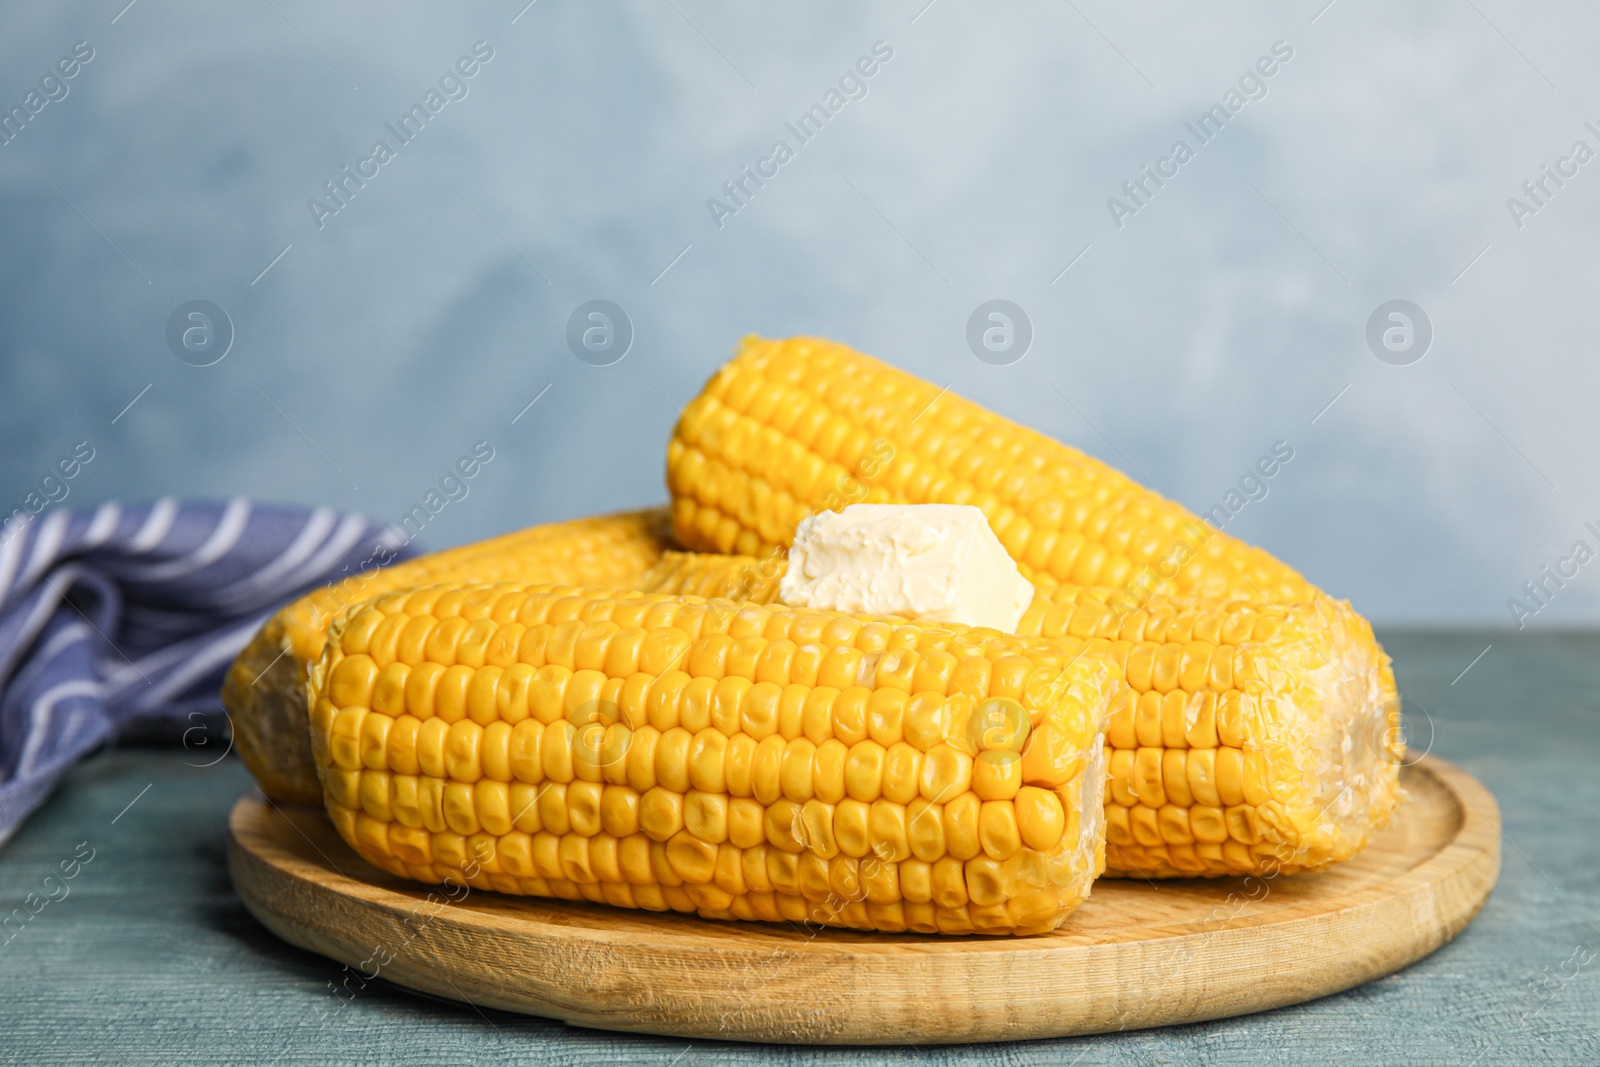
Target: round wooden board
1136, 954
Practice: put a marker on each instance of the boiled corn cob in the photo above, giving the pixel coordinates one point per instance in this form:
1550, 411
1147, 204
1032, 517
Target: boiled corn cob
1252, 738
264, 691
789, 428
739, 761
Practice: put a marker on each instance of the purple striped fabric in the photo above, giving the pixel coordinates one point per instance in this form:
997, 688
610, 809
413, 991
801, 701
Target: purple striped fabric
121, 620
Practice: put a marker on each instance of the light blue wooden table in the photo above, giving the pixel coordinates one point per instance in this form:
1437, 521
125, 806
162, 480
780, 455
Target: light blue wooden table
146, 955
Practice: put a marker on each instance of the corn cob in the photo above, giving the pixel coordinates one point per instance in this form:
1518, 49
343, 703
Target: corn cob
264, 691
789, 428
742, 762
1252, 738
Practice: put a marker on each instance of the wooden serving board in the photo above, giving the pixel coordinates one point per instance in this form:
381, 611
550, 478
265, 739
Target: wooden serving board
1137, 954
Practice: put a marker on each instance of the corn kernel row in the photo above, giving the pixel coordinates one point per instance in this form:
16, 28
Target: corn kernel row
965, 828
725, 881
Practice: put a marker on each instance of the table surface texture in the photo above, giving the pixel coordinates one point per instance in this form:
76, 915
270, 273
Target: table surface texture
145, 955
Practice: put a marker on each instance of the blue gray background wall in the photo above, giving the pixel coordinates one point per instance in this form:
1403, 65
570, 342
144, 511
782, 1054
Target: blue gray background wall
1223, 316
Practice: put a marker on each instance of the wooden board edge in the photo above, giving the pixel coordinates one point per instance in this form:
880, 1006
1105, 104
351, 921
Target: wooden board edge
1444, 893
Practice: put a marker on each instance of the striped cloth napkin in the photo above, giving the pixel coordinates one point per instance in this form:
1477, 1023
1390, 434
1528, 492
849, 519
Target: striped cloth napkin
121, 620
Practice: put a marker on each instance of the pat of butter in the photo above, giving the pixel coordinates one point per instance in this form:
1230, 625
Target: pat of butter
939, 562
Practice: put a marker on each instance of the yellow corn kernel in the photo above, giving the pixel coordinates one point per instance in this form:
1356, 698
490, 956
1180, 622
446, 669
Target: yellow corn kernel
961, 832
745, 817
495, 751
388, 691
1041, 819
450, 697
344, 787
766, 769
553, 813
705, 815
997, 775
1230, 775
492, 801
889, 832
584, 807
850, 828
998, 833
816, 828
460, 809
949, 879
902, 773
863, 771
462, 747
797, 776
925, 829
660, 814
946, 773
829, 763
403, 800
344, 738
374, 741
706, 758
619, 811
350, 683
1173, 824
672, 759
